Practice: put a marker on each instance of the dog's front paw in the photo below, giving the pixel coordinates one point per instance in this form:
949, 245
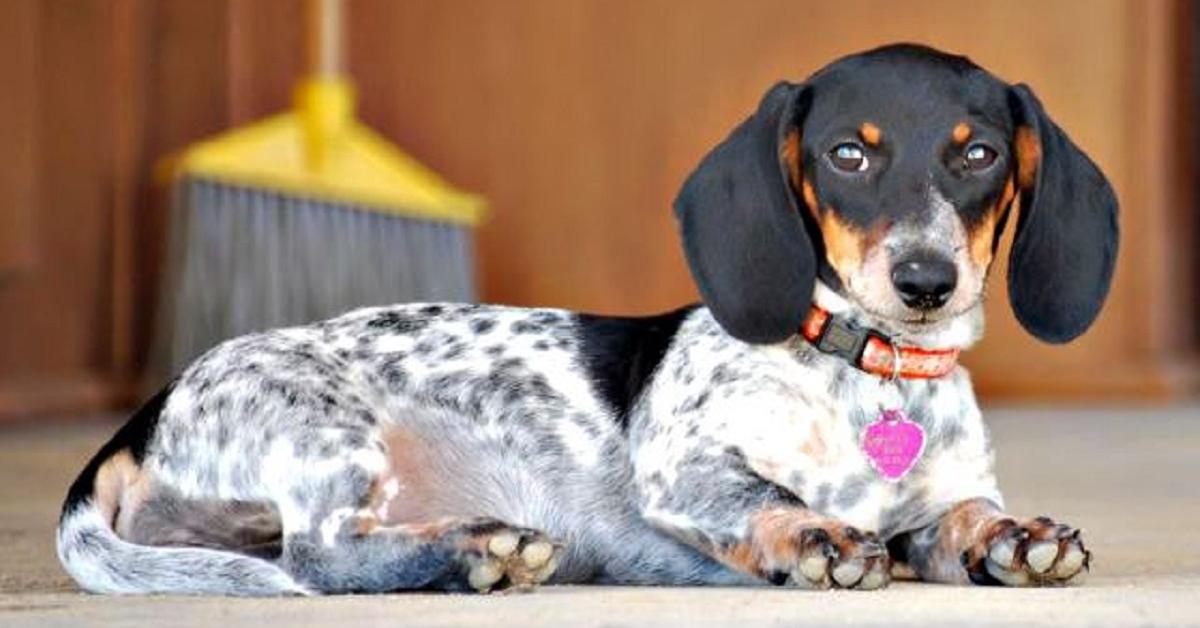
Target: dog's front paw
824, 554
1037, 552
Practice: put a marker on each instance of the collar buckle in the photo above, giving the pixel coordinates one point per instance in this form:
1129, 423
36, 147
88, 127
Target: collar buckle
861, 346
843, 338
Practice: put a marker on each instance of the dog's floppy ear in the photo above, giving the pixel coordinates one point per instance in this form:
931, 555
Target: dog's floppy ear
744, 239
1065, 245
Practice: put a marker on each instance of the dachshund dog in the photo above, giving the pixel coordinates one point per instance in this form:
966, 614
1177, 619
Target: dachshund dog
807, 426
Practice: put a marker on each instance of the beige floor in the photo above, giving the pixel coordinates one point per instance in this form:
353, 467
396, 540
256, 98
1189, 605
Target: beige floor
1130, 477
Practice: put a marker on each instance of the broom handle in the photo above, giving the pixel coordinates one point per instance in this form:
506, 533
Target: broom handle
325, 38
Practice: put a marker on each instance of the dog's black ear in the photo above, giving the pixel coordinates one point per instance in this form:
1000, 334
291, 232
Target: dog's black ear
1065, 245
744, 239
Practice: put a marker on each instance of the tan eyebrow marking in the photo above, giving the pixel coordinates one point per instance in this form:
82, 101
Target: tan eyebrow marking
870, 134
961, 133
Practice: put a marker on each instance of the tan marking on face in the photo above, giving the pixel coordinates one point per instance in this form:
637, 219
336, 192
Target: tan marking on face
1029, 156
982, 236
870, 134
810, 198
875, 235
791, 157
980, 239
844, 243
961, 133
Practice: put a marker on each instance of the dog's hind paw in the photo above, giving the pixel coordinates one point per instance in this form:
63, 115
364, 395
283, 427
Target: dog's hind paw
1038, 552
497, 556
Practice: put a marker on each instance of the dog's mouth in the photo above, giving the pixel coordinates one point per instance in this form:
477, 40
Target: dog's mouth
918, 322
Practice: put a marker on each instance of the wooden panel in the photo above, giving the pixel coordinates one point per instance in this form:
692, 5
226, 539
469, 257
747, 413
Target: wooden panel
266, 56
186, 87
18, 162
55, 320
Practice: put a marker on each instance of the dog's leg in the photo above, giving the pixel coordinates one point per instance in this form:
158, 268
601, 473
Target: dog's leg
976, 542
756, 527
334, 541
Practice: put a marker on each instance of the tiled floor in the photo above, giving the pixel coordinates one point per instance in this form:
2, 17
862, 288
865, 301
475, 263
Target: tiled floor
1130, 477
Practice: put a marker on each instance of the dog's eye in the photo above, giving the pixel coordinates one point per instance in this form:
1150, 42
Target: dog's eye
848, 157
978, 157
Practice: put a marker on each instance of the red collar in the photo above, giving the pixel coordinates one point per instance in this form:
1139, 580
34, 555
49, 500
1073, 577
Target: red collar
872, 350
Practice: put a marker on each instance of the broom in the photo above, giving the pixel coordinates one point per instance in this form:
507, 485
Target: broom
302, 216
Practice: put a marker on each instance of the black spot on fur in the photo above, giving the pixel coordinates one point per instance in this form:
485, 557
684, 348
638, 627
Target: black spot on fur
432, 310
398, 322
482, 325
821, 503
852, 490
135, 435
621, 354
721, 375
694, 402
527, 327
509, 364
454, 351
546, 318
396, 375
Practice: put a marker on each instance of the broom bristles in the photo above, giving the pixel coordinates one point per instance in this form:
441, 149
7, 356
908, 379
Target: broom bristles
244, 260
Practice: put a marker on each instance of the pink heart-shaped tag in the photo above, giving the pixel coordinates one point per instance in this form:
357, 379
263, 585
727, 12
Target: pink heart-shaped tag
893, 444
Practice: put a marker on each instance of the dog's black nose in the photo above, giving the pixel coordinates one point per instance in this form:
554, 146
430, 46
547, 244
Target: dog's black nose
924, 283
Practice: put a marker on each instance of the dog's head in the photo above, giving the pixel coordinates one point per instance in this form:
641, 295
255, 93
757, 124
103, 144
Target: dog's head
889, 175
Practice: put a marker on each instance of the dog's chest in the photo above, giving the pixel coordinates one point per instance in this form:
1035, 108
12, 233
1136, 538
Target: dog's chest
799, 418
820, 450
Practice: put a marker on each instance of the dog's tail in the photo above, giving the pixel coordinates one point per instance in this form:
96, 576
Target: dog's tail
90, 549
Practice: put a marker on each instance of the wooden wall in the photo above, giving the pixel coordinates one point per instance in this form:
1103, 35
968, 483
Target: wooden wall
577, 118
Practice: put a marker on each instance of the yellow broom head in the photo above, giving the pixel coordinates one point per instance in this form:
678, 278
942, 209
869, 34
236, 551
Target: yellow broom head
319, 151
